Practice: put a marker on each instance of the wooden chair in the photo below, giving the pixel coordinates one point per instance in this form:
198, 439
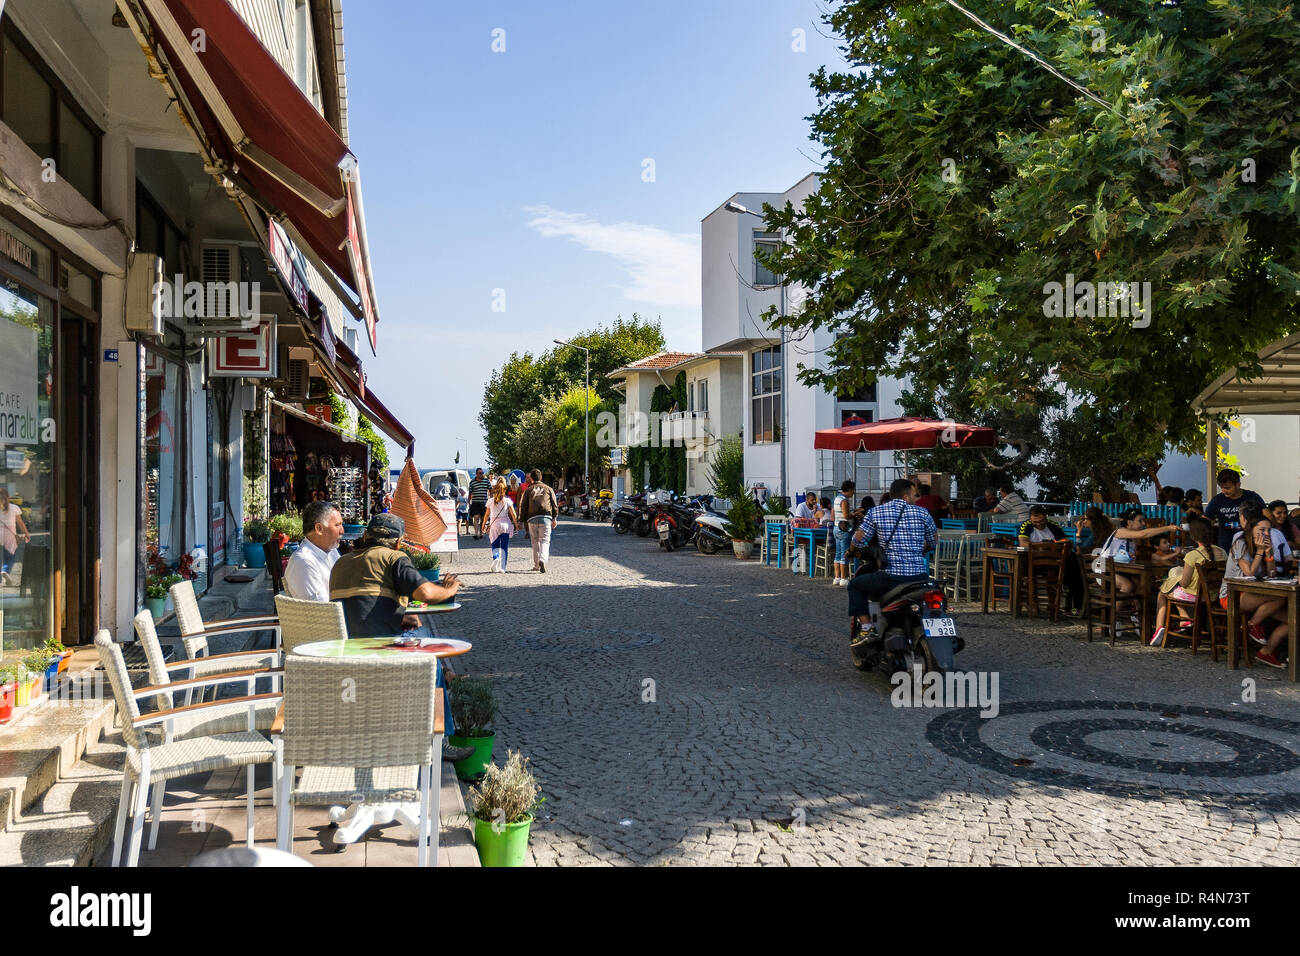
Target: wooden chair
970, 568
1107, 607
1204, 613
946, 558
1002, 576
823, 555
1046, 575
274, 566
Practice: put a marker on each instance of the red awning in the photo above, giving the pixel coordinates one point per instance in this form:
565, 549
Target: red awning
898, 434
347, 370
273, 142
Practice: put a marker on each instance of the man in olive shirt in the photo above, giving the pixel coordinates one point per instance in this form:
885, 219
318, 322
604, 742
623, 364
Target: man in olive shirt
374, 582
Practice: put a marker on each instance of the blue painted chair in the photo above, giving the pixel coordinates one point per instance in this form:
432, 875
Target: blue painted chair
952, 524
1004, 528
774, 535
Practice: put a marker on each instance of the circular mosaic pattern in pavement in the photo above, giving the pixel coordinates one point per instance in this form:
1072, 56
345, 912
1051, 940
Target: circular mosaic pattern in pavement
1132, 749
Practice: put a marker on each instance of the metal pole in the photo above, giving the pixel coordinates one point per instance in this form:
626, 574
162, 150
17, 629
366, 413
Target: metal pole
784, 386
586, 435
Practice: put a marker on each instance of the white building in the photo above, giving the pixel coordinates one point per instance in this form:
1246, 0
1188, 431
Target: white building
736, 291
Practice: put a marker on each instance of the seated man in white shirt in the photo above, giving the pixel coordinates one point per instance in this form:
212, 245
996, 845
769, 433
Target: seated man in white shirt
807, 508
307, 576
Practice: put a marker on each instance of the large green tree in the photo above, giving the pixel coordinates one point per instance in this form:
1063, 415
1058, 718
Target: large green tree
524, 380
963, 178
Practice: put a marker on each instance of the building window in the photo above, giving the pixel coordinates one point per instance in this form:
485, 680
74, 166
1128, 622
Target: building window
765, 243
43, 114
690, 397
864, 393
765, 396
703, 396
156, 234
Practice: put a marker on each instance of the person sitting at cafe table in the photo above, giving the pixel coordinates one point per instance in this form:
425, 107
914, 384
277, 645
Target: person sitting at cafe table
1011, 505
1225, 506
1252, 517
1183, 583
825, 517
1192, 504
307, 575
1121, 546
806, 509
1038, 528
1249, 557
1277, 513
1091, 530
987, 501
932, 503
374, 582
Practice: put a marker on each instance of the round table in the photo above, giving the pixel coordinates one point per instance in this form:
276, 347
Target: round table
354, 820
378, 647
430, 612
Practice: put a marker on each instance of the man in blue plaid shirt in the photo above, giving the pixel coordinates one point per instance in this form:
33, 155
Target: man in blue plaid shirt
906, 532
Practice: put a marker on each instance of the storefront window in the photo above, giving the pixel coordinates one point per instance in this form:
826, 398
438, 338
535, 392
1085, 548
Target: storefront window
26, 459
164, 507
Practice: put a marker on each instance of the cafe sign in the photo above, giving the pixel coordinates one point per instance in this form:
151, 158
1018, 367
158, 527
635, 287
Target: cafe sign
19, 413
248, 354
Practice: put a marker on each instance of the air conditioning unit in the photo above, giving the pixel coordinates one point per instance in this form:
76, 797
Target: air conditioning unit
223, 263
293, 377
142, 278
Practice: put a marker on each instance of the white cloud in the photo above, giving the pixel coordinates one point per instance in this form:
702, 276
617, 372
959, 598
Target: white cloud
664, 267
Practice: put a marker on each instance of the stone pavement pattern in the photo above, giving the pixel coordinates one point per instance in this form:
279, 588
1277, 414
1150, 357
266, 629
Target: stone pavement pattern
761, 744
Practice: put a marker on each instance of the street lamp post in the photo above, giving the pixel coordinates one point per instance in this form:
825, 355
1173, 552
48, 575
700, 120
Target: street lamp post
733, 206
586, 424
466, 450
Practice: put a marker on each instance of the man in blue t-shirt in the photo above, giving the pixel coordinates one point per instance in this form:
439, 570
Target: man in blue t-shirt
1225, 507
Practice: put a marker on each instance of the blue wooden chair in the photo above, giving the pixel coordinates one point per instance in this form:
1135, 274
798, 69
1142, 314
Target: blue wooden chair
953, 524
1005, 529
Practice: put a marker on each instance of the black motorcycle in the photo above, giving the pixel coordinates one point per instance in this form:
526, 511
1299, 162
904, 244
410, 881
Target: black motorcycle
907, 629
674, 524
632, 515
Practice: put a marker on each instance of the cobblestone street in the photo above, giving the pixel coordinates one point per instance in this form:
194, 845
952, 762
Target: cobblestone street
757, 742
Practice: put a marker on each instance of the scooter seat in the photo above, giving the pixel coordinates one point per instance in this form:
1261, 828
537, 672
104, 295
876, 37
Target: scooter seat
903, 591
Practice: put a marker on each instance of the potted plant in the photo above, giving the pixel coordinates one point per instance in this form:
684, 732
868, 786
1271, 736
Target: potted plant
473, 709
8, 691
286, 528
156, 587
504, 804
36, 664
55, 646
256, 533
22, 686
740, 525
426, 562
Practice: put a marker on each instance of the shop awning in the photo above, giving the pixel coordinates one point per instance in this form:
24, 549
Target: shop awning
268, 136
900, 434
1275, 392
344, 368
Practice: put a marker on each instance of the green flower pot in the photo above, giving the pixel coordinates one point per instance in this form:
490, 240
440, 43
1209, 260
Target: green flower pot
156, 607
472, 767
432, 574
507, 848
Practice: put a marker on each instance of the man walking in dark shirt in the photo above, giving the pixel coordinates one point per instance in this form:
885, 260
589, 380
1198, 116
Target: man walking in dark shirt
479, 490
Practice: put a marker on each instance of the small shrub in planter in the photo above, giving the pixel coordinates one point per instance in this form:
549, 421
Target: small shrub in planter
256, 533
740, 524
504, 804
426, 562
36, 664
473, 709
288, 524
8, 687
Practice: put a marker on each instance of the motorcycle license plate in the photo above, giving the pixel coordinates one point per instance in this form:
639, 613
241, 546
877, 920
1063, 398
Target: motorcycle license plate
662, 528
940, 627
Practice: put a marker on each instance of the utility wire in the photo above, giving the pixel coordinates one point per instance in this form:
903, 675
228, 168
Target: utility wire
1035, 57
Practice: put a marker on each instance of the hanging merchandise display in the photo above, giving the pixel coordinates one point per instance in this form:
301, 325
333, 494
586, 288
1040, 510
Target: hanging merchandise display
312, 460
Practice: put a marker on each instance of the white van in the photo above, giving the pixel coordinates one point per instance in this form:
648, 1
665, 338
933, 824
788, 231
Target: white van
431, 478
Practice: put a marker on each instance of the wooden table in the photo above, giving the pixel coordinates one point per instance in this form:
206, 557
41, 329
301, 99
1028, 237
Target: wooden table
1019, 558
1148, 574
1286, 588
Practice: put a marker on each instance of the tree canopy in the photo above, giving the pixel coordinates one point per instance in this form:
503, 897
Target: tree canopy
524, 382
963, 179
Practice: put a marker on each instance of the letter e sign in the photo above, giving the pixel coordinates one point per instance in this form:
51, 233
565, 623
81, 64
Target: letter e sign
249, 354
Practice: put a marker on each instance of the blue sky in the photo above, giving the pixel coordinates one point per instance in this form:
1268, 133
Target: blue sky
523, 171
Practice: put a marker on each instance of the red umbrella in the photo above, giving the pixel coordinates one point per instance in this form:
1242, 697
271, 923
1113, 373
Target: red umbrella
898, 434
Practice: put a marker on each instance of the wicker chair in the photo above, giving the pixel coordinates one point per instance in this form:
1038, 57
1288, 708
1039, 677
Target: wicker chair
302, 622
191, 623
379, 743
150, 762
160, 673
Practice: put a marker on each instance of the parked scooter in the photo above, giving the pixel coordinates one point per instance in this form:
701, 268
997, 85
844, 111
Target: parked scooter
629, 513
674, 525
908, 628
710, 534
603, 507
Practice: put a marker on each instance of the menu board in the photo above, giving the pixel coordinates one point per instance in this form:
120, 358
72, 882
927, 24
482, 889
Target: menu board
450, 540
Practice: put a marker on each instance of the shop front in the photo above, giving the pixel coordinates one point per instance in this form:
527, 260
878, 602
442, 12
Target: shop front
49, 335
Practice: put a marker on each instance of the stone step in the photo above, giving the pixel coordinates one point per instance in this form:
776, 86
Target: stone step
72, 823
45, 739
